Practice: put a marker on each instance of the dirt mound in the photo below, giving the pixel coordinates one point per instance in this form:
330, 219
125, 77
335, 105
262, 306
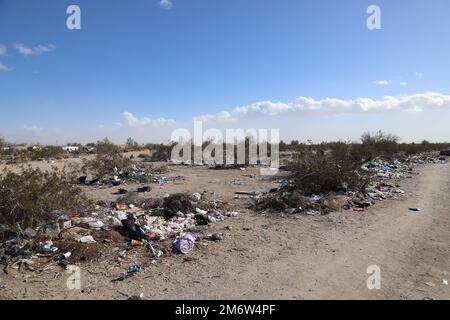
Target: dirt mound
131, 198
107, 236
179, 202
81, 252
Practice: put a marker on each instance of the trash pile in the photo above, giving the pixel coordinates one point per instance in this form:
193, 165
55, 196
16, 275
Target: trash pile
140, 173
381, 176
132, 219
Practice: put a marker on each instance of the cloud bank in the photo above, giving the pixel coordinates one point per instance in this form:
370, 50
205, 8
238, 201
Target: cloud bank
331, 106
133, 121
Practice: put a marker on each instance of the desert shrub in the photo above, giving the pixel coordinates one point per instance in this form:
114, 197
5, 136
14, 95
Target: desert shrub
161, 152
105, 146
109, 160
48, 152
321, 171
132, 145
108, 164
31, 197
376, 145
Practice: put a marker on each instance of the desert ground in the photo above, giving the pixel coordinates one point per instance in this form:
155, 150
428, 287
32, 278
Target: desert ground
273, 256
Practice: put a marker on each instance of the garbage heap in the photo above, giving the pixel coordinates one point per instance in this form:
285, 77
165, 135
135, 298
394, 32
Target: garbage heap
140, 173
132, 220
381, 181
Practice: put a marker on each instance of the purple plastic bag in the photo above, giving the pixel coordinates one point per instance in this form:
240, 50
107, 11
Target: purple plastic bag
185, 244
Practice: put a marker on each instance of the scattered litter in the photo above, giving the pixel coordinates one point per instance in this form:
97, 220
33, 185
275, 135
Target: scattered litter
137, 297
196, 196
96, 224
144, 189
134, 268
47, 247
312, 213
232, 214
216, 237
200, 211
136, 243
86, 239
67, 255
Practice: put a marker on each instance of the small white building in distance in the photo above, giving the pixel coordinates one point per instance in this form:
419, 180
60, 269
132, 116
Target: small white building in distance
71, 149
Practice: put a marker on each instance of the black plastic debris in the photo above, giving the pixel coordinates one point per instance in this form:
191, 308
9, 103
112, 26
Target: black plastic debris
132, 230
82, 180
144, 189
201, 219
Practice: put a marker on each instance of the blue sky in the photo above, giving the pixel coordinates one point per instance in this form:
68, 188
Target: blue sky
165, 65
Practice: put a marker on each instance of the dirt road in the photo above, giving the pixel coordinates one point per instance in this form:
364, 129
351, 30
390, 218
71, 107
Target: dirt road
291, 257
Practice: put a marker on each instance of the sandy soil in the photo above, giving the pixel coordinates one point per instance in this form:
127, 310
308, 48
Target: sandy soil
278, 257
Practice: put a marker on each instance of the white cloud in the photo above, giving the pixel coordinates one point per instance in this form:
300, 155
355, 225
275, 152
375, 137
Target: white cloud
404, 83
35, 51
32, 128
419, 74
3, 50
5, 68
331, 106
166, 4
133, 121
382, 82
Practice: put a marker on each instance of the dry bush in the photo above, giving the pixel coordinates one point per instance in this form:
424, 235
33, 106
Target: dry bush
33, 196
48, 152
161, 152
132, 145
108, 164
376, 145
108, 161
105, 146
332, 170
